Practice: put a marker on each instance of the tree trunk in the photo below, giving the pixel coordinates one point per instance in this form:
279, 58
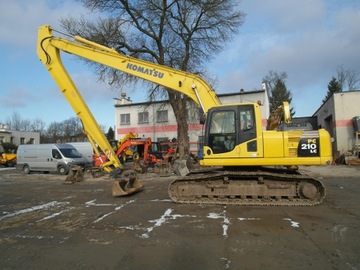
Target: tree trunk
178, 104
183, 138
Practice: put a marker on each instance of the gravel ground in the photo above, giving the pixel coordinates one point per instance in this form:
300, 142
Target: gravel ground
46, 224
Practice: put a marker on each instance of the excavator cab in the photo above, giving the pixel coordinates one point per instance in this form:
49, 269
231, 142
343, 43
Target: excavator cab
228, 126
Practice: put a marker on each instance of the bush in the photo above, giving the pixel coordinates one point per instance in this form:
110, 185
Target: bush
9, 147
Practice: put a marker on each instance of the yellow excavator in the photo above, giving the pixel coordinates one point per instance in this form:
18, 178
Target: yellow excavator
243, 159
7, 159
128, 151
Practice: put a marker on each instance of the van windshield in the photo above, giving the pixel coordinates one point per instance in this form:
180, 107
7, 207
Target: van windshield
70, 153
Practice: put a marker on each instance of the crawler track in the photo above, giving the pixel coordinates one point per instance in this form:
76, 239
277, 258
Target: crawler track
265, 188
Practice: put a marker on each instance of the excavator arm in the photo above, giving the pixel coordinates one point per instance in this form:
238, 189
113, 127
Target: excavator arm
188, 84
49, 55
48, 49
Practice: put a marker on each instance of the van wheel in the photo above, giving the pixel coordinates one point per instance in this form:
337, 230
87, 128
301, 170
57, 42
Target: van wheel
62, 170
26, 169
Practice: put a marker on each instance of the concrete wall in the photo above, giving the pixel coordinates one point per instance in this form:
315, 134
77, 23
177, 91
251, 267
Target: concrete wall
347, 105
336, 115
19, 137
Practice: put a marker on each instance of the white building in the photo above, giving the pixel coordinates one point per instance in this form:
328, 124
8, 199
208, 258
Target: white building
18, 137
157, 121
336, 116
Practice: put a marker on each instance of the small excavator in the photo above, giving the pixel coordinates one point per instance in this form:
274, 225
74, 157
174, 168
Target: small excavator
7, 159
243, 159
142, 150
119, 146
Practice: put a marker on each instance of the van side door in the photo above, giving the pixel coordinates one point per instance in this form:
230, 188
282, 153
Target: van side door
55, 159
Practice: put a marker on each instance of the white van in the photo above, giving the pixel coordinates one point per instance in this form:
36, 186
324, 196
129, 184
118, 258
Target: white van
86, 150
48, 158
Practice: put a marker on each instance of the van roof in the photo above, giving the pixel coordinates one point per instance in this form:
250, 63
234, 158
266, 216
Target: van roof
64, 145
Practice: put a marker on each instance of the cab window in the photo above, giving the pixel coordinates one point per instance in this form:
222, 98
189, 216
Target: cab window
223, 122
247, 127
56, 154
222, 131
246, 120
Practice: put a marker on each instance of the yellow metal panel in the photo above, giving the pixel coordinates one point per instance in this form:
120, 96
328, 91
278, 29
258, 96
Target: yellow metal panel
264, 161
291, 142
325, 147
273, 144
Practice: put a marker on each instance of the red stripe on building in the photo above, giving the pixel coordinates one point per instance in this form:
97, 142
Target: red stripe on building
154, 129
164, 128
343, 123
264, 122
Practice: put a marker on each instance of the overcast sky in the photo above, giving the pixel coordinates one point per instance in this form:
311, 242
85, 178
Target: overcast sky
307, 39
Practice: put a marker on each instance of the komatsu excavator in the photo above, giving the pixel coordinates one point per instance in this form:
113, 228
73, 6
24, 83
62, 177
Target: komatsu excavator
234, 138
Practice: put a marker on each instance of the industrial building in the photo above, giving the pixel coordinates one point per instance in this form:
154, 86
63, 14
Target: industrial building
339, 115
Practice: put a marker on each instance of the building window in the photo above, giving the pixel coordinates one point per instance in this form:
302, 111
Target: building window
125, 119
163, 139
162, 116
31, 141
22, 140
143, 117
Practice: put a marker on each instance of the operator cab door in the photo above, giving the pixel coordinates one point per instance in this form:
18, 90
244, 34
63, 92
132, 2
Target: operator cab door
231, 130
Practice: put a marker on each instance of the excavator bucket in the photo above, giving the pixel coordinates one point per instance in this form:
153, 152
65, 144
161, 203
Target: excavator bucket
76, 174
125, 184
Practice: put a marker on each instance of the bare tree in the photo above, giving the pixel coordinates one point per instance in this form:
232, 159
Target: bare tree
353, 79
183, 34
349, 78
54, 132
38, 125
70, 129
26, 125
15, 122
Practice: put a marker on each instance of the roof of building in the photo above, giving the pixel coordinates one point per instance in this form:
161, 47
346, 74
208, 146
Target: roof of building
130, 103
334, 94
